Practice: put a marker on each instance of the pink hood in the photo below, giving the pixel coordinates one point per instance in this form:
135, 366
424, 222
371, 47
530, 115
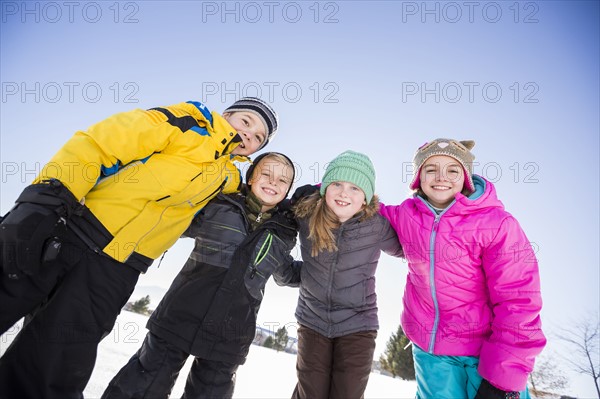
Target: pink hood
476, 291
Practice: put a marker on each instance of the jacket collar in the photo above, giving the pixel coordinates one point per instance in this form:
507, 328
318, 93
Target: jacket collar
483, 197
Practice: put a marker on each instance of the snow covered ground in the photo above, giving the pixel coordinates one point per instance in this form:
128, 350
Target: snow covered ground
266, 374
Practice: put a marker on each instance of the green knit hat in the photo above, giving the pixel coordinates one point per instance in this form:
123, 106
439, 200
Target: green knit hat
353, 167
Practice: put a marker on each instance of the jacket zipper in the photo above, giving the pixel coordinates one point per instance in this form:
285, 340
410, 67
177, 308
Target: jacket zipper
432, 281
434, 230
262, 253
330, 285
259, 217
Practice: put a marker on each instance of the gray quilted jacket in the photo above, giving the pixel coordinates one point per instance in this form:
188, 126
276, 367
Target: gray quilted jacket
337, 289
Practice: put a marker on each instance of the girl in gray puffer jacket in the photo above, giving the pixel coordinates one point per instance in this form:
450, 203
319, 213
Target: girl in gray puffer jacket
342, 236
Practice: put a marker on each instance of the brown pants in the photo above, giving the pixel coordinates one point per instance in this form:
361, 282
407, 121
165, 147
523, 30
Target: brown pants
333, 367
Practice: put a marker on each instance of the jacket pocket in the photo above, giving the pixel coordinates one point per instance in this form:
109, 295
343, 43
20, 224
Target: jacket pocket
263, 264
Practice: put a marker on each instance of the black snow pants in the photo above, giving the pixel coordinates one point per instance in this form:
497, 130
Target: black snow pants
151, 374
73, 303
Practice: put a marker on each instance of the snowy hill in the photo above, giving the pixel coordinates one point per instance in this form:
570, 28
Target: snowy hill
266, 374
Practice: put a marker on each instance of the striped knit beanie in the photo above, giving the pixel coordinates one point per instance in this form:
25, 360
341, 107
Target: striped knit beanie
262, 110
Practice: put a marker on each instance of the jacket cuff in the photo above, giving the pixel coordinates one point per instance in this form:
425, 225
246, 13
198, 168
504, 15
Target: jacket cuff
500, 367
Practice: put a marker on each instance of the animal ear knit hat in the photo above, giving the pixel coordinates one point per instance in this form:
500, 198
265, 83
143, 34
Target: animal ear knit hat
353, 167
459, 150
262, 110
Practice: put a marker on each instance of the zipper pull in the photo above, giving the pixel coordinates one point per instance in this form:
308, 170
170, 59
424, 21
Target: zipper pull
259, 217
161, 258
436, 223
253, 272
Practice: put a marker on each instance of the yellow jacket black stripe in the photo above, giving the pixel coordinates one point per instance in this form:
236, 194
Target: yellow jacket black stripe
144, 174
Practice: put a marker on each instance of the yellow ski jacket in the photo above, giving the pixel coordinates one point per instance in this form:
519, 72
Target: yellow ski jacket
144, 174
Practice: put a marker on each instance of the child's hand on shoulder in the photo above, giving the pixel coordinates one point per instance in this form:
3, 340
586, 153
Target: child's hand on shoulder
302, 192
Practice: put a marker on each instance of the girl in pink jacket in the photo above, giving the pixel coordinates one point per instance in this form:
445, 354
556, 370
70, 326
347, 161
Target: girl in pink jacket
472, 301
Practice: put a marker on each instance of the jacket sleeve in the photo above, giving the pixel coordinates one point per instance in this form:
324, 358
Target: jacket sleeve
289, 274
512, 276
390, 244
194, 228
390, 212
130, 136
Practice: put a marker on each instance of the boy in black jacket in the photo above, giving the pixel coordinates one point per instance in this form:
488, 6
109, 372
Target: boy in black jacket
210, 309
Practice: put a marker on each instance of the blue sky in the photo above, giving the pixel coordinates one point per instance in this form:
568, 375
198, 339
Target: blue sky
381, 77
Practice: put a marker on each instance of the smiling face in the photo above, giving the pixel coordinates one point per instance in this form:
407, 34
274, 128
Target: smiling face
250, 129
271, 181
441, 178
344, 199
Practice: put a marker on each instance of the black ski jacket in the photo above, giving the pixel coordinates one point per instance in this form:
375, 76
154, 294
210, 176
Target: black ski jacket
210, 309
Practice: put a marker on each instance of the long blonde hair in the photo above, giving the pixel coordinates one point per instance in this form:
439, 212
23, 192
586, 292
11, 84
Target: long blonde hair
322, 222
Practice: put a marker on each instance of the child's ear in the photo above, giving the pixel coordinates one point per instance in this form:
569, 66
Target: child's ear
226, 115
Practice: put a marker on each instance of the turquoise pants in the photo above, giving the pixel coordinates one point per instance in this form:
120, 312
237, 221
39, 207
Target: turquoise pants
447, 377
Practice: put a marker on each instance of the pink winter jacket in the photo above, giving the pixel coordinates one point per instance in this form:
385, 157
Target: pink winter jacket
473, 286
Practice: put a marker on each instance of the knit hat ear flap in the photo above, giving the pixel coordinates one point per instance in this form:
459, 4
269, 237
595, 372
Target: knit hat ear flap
459, 150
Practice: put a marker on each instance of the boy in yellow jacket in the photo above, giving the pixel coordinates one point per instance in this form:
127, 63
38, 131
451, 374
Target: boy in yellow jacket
112, 200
